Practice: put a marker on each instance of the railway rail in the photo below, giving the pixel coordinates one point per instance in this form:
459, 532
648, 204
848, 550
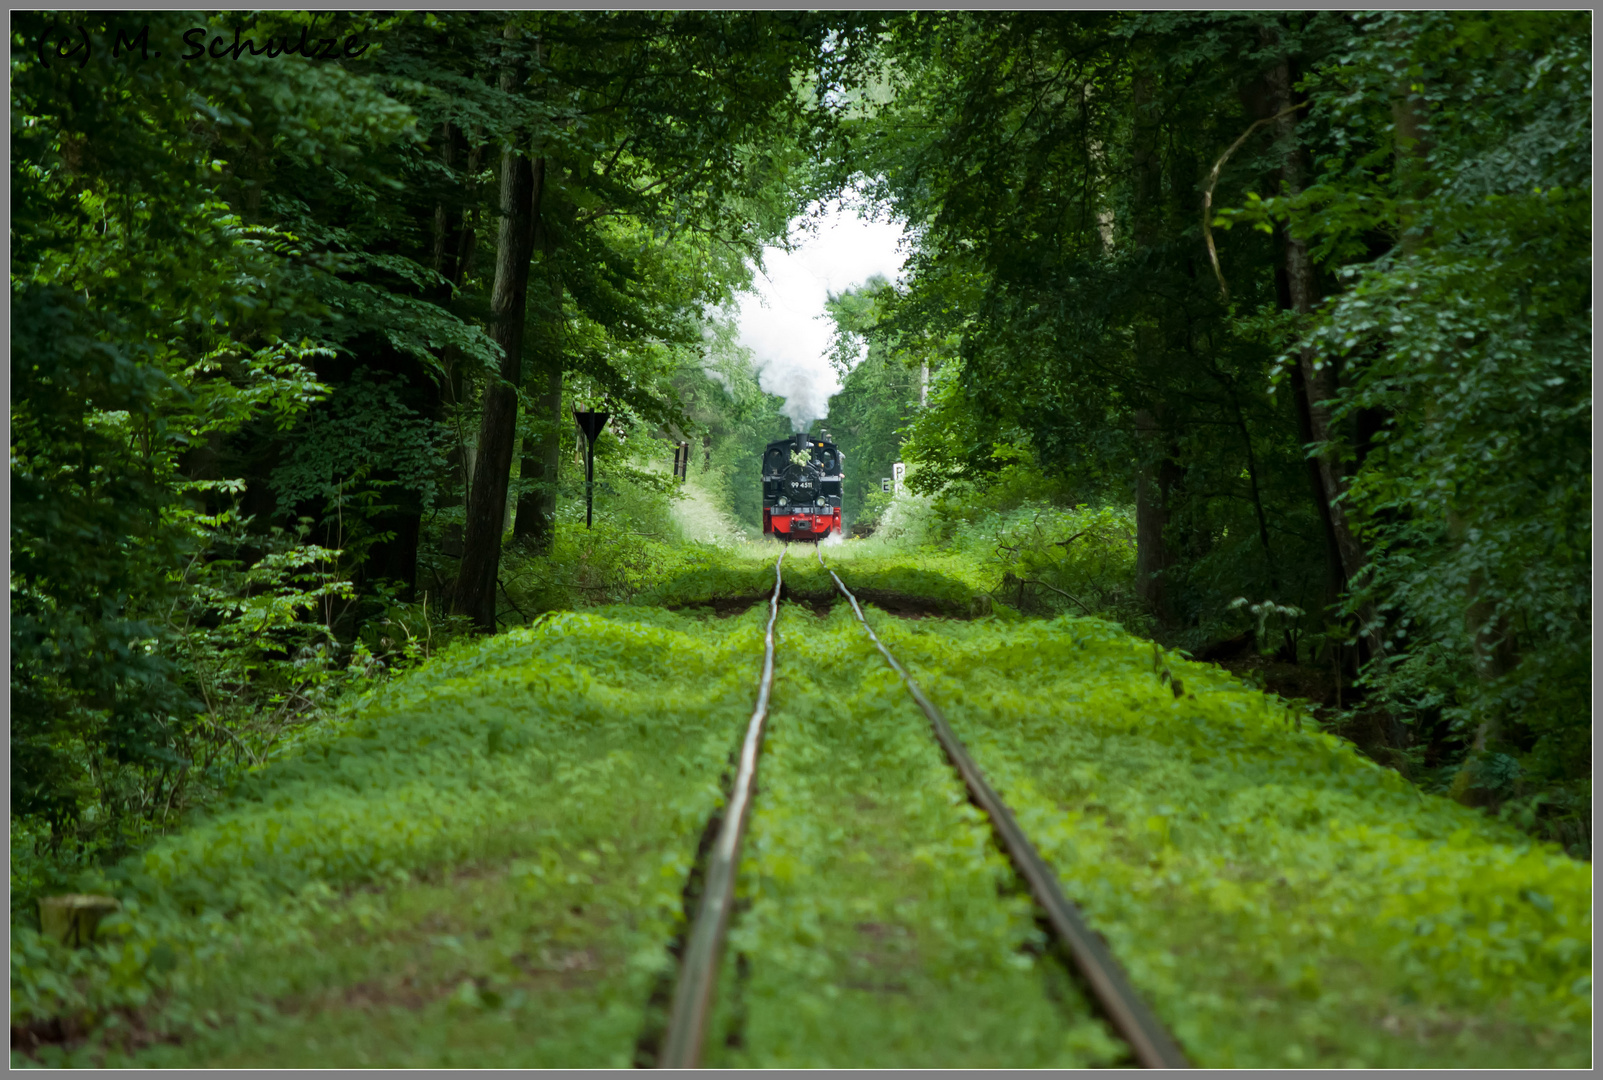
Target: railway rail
691, 1005
1150, 1043
1152, 1046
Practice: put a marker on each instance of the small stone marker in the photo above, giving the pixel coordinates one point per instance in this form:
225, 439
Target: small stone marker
72, 919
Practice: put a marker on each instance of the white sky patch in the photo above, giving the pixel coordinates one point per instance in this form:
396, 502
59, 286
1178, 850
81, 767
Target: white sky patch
784, 322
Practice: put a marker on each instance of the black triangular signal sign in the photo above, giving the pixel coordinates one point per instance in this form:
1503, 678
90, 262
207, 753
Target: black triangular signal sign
590, 423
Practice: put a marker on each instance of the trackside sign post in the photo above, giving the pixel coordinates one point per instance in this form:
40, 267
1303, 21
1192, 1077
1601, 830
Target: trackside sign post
591, 424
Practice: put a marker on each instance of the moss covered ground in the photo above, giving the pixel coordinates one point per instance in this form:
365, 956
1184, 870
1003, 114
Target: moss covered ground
882, 926
1281, 900
483, 862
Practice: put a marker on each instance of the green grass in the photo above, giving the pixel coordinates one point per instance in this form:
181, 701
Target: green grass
482, 863
936, 584
884, 929
1282, 900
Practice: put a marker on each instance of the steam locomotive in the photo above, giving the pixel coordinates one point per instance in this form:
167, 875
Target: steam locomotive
801, 488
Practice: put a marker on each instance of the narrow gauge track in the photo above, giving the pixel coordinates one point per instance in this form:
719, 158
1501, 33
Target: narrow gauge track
1153, 1046
691, 1006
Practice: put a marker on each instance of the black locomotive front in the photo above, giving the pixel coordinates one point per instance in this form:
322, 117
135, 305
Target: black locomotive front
801, 488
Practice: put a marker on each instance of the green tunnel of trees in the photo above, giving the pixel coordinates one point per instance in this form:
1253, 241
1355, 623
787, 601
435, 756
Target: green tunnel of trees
294, 341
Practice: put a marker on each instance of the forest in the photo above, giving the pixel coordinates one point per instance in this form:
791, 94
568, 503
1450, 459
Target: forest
1258, 341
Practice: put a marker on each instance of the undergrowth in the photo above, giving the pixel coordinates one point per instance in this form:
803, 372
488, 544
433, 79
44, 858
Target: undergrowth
480, 862
590, 745
1283, 900
884, 927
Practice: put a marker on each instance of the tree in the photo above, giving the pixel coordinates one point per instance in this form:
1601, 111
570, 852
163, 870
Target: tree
1414, 251
148, 321
879, 395
657, 127
1055, 164
1464, 349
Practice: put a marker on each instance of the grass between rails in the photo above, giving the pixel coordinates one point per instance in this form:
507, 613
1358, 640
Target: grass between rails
884, 928
952, 585
1281, 900
1036, 555
483, 866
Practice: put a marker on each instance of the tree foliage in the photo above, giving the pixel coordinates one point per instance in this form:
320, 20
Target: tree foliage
1304, 296
148, 318
251, 306
1357, 386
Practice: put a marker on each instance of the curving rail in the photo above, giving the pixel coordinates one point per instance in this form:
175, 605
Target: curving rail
698, 973
1152, 1045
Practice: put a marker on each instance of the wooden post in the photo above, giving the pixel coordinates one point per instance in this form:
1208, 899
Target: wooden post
72, 919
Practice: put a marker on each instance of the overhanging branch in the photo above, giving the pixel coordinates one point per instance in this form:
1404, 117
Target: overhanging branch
1207, 194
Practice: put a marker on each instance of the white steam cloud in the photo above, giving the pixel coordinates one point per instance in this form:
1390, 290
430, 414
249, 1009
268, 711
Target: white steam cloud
784, 322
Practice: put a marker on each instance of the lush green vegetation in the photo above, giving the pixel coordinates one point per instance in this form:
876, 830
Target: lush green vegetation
260, 363
1216, 837
1249, 336
1315, 289
482, 862
559, 775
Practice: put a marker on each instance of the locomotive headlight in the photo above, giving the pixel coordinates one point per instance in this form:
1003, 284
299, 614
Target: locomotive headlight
819, 501
783, 501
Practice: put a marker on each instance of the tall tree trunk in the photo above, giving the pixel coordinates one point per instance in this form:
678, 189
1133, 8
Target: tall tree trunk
1155, 481
521, 185
1154, 486
1315, 384
535, 521
1335, 576
395, 558
536, 518
455, 241
449, 220
1252, 480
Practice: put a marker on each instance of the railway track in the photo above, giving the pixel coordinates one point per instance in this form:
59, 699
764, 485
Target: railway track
1150, 1044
